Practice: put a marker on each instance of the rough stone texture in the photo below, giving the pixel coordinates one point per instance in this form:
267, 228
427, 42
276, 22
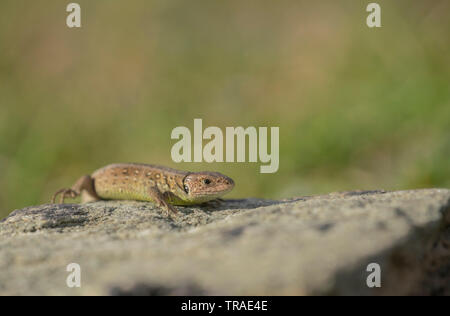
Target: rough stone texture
306, 245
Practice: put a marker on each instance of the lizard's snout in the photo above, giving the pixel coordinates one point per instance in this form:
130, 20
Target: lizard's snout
229, 181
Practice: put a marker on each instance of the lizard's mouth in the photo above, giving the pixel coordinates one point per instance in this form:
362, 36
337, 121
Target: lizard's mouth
218, 191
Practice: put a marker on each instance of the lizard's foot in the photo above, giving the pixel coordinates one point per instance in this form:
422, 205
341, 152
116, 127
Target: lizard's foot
169, 209
161, 201
64, 193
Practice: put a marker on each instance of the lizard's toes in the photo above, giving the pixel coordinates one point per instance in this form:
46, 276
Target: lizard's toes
73, 194
171, 211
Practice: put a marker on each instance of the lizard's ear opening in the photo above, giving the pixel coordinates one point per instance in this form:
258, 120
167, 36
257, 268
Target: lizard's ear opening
185, 183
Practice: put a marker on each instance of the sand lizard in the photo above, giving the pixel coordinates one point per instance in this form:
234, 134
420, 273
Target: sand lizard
161, 185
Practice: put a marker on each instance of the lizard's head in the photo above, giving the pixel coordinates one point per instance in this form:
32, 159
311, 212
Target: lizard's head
205, 186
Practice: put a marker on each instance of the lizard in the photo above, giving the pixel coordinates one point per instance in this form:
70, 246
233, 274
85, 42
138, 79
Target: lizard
143, 182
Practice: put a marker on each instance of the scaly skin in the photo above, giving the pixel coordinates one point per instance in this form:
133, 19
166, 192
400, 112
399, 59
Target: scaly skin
161, 185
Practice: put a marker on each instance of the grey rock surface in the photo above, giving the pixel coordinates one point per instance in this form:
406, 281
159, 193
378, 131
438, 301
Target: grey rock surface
307, 245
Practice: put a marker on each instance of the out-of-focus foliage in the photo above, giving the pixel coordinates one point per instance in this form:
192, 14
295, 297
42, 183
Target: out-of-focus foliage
357, 108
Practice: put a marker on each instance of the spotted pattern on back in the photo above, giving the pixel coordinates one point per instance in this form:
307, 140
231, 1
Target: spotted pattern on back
133, 181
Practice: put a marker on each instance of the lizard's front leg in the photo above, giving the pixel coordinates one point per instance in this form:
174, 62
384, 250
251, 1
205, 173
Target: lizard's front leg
84, 185
161, 200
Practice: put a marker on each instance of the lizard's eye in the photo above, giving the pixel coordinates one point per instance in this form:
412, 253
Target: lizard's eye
206, 181
186, 189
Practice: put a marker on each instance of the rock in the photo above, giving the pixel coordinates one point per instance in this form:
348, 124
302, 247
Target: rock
307, 245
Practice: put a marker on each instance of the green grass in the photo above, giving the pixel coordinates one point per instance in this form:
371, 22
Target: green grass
357, 108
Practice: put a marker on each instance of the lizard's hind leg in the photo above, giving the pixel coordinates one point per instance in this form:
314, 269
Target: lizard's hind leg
84, 185
64, 193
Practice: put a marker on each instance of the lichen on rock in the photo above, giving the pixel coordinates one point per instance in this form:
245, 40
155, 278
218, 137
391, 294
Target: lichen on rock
305, 245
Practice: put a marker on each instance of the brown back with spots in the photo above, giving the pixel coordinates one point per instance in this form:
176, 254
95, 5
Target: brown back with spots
132, 181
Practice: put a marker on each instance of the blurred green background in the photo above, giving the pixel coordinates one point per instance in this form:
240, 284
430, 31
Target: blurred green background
357, 108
